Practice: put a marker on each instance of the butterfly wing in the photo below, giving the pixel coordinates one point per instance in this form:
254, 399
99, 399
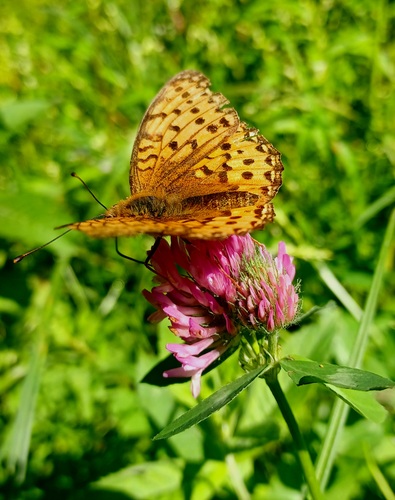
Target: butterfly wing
245, 163
173, 134
189, 145
196, 154
213, 225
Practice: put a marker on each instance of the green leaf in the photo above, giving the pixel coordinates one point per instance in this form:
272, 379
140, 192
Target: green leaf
145, 480
310, 372
210, 405
15, 114
15, 449
362, 402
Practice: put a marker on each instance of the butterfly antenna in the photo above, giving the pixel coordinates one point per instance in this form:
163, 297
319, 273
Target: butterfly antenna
21, 257
73, 174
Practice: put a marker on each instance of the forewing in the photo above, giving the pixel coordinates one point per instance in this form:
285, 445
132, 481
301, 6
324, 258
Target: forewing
189, 145
184, 123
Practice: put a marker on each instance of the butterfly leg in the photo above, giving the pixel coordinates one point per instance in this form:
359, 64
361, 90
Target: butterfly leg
151, 252
145, 262
127, 256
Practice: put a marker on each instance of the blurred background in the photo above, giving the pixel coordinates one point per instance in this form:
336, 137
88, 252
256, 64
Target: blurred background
317, 79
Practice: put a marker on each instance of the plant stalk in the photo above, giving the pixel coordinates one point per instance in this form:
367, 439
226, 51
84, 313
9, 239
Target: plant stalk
301, 448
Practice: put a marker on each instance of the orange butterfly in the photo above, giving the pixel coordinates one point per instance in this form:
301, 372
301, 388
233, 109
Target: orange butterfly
196, 170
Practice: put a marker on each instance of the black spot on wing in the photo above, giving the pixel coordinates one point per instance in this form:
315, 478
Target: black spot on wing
223, 176
247, 175
194, 144
206, 170
212, 129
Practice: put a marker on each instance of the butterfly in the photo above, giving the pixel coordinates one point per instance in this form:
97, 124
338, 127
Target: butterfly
196, 170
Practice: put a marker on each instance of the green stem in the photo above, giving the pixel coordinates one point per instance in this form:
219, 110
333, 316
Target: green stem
273, 346
301, 448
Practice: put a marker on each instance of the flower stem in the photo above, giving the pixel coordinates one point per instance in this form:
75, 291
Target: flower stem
273, 346
301, 448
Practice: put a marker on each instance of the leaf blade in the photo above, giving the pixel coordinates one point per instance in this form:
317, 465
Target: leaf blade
308, 372
362, 402
210, 405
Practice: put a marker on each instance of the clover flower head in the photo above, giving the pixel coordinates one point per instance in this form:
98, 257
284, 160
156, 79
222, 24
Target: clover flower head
212, 290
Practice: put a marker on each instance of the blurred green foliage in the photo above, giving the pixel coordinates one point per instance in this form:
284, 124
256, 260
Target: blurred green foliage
317, 78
